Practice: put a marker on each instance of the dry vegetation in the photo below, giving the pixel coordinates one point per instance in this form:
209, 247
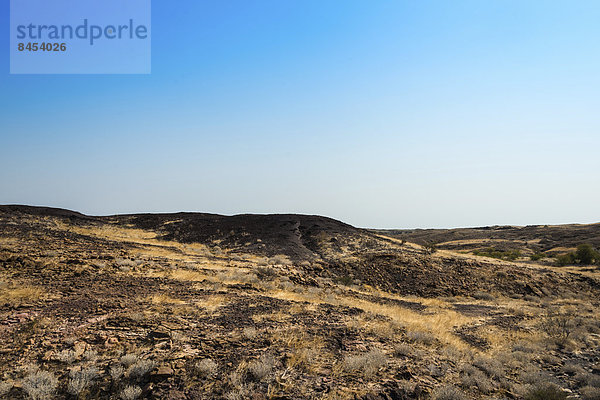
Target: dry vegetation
93, 310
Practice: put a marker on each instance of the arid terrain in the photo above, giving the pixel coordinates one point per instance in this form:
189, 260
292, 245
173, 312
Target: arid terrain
521, 241
203, 306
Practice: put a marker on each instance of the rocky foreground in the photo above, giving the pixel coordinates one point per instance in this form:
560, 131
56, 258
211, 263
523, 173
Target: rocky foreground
200, 306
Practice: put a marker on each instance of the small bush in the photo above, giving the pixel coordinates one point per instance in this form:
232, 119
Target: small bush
249, 332
241, 391
590, 393
473, 377
563, 260
448, 393
593, 380
484, 296
266, 273
421, 337
586, 254
40, 385
438, 371
532, 375
81, 380
584, 378
430, 248
123, 262
545, 391
140, 369
560, 326
403, 350
129, 359
572, 369
280, 259
368, 363
5, 388
345, 280
538, 256
90, 355
131, 393
116, 372
261, 368
206, 368
491, 367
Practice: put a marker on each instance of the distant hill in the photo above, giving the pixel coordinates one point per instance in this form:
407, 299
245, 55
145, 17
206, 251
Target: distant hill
530, 239
269, 234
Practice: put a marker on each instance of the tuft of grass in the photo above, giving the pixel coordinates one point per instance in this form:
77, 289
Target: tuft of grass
165, 299
545, 391
484, 296
430, 248
590, 393
90, 355
367, 364
140, 369
249, 332
473, 377
260, 369
16, 295
82, 379
116, 372
448, 393
493, 368
421, 337
280, 259
5, 388
206, 368
131, 393
266, 273
403, 350
304, 348
129, 359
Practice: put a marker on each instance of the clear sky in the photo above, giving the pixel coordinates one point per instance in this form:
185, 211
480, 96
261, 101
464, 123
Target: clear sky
382, 113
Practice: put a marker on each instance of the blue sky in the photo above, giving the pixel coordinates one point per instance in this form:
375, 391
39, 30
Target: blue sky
379, 113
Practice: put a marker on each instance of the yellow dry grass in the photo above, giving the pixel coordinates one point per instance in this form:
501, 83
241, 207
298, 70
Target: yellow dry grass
212, 303
151, 244
9, 242
165, 299
306, 351
20, 294
439, 321
227, 275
